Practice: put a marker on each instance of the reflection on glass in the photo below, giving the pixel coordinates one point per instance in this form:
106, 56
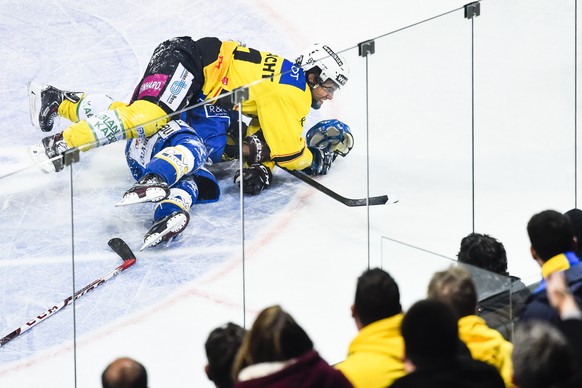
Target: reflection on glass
500, 298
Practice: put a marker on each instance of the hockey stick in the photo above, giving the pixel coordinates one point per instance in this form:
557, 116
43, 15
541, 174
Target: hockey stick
379, 200
120, 247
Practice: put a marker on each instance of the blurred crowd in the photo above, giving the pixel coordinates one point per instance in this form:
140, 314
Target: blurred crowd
474, 328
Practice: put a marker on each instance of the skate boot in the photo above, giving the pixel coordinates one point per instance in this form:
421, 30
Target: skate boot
49, 155
44, 104
166, 228
150, 188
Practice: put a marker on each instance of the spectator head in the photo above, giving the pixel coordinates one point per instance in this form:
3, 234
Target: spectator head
575, 216
377, 297
456, 289
431, 334
550, 234
483, 251
124, 373
221, 347
541, 356
275, 336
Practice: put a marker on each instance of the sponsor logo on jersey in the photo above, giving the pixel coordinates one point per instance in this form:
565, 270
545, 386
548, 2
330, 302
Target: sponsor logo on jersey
224, 80
177, 89
220, 59
152, 85
214, 111
291, 74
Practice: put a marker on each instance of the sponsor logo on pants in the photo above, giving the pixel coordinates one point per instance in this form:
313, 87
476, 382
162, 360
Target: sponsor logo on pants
152, 85
177, 88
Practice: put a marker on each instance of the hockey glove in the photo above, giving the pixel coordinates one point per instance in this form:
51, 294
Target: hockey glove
331, 135
321, 161
255, 178
259, 151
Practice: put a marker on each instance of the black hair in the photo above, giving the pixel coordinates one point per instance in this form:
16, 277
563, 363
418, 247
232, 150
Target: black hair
377, 296
221, 347
550, 234
575, 216
483, 251
431, 334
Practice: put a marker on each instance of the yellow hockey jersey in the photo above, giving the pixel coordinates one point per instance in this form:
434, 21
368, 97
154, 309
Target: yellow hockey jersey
279, 97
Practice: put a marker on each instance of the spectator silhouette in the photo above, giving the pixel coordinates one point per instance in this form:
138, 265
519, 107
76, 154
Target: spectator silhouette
575, 216
124, 372
501, 297
542, 358
456, 289
277, 352
221, 347
552, 247
570, 313
375, 354
432, 357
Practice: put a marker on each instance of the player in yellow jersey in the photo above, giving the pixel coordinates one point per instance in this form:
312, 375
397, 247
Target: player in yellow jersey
181, 72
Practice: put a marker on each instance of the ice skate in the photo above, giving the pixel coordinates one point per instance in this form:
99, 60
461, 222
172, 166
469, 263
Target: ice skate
166, 228
150, 188
48, 156
44, 101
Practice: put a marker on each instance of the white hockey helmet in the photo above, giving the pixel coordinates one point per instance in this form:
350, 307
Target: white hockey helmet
332, 65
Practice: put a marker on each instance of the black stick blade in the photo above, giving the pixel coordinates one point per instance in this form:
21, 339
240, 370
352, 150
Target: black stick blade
121, 248
379, 200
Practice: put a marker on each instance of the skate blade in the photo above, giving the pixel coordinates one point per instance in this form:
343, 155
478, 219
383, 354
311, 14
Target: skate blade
34, 91
152, 195
40, 159
174, 224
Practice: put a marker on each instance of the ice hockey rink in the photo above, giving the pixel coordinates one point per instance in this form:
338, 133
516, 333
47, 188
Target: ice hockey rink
469, 123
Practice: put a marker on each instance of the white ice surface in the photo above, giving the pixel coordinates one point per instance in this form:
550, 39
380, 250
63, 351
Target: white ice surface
301, 249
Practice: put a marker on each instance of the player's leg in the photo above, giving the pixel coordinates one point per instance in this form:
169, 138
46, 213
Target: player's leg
172, 79
44, 104
183, 153
171, 216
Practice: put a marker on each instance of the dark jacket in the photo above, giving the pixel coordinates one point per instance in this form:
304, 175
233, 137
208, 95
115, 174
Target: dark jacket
464, 373
538, 305
502, 310
500, 299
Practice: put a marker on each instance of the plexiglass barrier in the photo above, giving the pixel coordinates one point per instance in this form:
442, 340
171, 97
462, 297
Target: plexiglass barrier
500, 298
467, 124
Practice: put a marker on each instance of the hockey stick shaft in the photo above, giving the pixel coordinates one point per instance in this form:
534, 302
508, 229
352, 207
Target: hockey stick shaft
378, 200
57, 307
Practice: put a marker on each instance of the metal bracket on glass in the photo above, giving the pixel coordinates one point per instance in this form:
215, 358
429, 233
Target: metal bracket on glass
472, 10
71, 156
239, 95
366, 48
